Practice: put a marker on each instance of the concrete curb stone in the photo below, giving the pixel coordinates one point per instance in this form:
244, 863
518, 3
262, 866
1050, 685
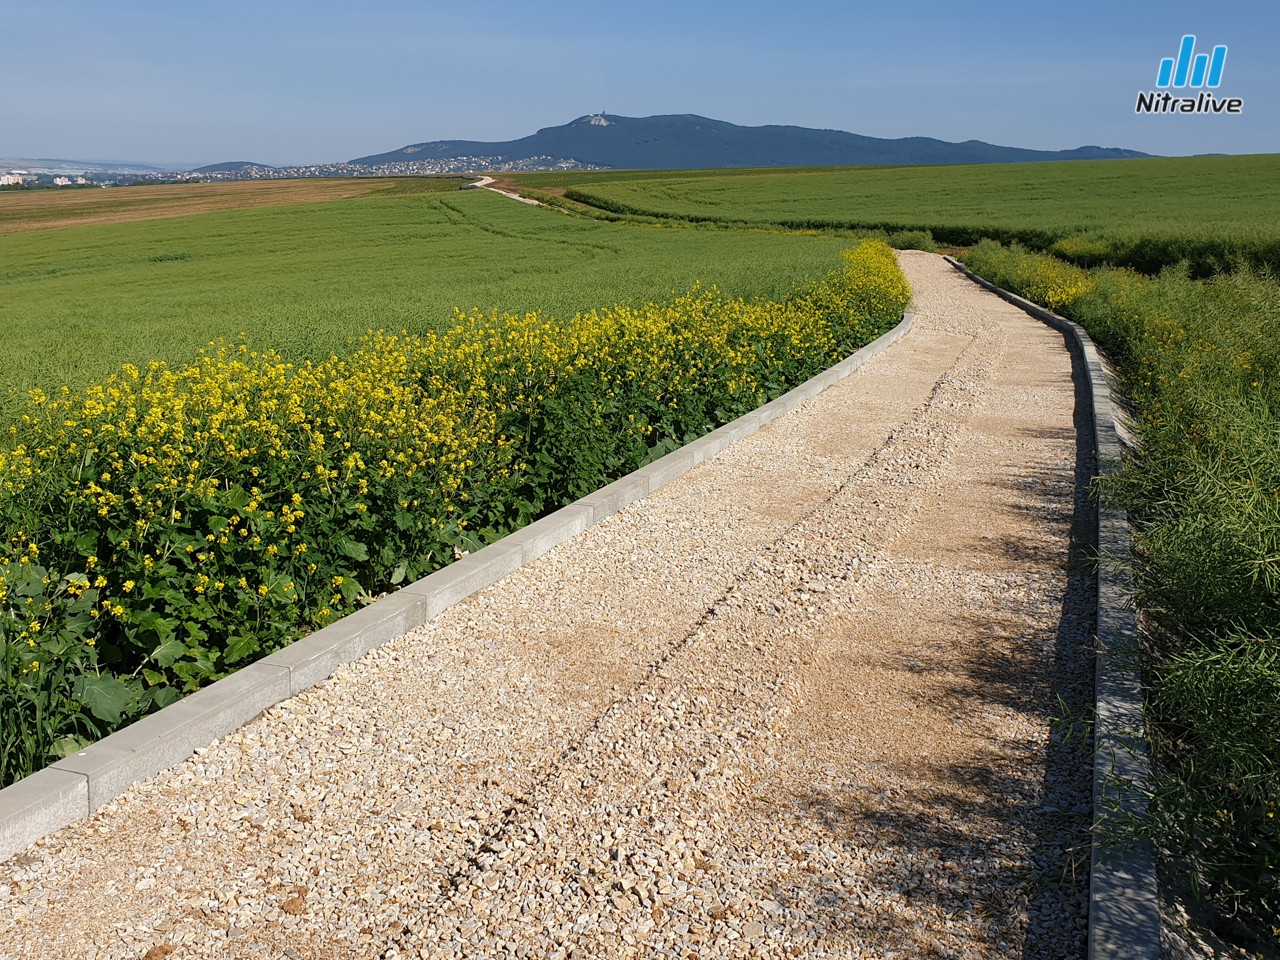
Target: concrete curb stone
72, 789
39, 804
169, 736
1124, 905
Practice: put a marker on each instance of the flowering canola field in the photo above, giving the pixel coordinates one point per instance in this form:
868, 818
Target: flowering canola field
169, 524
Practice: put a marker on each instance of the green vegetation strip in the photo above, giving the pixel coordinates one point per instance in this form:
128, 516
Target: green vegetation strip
166, 526
1217, 213
1201, 363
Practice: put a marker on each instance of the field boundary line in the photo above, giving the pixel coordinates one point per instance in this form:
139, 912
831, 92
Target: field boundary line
1124, 906
73, 789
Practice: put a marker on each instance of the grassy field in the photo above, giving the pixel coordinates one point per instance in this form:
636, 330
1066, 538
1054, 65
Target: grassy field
1216, 212
39, 209
304, 277
1058, 198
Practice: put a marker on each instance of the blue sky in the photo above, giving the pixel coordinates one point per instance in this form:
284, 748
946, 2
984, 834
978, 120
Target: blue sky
325, 81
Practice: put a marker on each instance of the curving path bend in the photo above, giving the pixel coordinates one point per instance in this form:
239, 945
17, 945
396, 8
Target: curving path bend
794, 704
482, 183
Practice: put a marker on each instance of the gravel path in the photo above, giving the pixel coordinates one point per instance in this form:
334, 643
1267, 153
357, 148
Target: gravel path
794, 704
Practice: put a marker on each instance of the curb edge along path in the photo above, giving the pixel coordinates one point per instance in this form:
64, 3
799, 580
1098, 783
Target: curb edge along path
1124, 912
72, 789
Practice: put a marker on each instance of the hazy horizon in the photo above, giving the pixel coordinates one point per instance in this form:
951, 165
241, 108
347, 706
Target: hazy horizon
315, 83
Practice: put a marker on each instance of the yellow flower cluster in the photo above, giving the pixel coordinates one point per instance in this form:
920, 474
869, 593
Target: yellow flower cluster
1052, 282
172, 522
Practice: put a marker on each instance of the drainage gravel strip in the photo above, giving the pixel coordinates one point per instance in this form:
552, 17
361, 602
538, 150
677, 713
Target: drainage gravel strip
797, 702
1124, 911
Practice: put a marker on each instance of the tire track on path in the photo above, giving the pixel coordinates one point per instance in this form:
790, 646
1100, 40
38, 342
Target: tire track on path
702, 701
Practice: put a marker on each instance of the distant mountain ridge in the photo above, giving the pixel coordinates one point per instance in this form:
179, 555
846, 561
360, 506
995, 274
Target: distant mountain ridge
49, 165
687, 141
667, 142
233, 166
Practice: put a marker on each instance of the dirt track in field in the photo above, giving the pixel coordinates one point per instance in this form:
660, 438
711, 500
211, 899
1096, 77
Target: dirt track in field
47, 209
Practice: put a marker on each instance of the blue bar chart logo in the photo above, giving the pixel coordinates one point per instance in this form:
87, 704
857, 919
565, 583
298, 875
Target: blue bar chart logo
1192, 69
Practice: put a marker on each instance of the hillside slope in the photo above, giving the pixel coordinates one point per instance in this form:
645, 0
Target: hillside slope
687, 141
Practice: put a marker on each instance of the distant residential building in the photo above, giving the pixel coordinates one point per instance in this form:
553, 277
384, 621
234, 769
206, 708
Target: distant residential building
62, 181
10, 179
